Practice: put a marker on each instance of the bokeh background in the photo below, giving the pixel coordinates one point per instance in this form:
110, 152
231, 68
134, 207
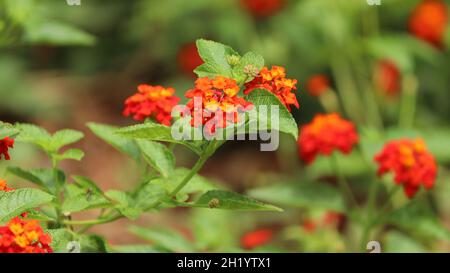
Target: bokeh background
62, 66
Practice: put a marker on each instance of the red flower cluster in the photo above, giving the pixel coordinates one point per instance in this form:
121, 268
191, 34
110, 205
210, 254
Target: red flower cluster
410, 162
256, 238
387, 77
21, 235
276, 82
189, 59
5, 144
429, 21
151, 102
317, 85
24, 236
326, 133
215, 99
263, 8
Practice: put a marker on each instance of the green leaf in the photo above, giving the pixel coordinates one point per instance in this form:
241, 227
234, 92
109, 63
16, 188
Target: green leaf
124, 203
108, 134
250, 59
215, 56
197, 184
92, 243
60, 239
75, 154
40, 177
65, 137
205, 70
164, 238
219, 199
156, 132
15, 202
86, 183
418, 219
52, 32
158, 156
262, 97
84, 201
301, 194
7, 130
396, 242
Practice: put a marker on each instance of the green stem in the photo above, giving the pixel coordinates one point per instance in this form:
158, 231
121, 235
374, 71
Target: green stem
408, 102
343, 184
58, 193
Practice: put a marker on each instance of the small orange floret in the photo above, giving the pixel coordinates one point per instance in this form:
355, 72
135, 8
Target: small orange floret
275, 81
413, 166
325, 134
154, 102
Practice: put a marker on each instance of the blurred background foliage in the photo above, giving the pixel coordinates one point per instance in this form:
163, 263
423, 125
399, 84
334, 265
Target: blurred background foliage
62, 66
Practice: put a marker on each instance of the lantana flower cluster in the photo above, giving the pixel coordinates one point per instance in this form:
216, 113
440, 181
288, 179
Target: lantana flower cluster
20, 235
5, 144
215, 99
326, 134
410, 162
276, 82
151, 102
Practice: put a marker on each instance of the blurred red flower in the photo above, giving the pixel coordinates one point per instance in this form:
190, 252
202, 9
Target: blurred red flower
5, 144
151, 102
4, 186
309, 226
317, 85
256, 238
428, 21
326, 133
263, 8
276, 82
410, 162
217, 99
387, 77
189, 59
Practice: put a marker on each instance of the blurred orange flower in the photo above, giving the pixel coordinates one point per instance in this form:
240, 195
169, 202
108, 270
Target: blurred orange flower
151, 102
326, 133
317, 85
410, 162
256, 238
263, 8
217, 100
428, 21
276, 82
189, 59
6, 144
4, 186
387, 77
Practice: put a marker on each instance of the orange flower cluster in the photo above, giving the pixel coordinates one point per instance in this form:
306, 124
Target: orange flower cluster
429, 21
256, 238
5, 144
189, 59
151, 102
387, 77
276, 82
23, 236
410, 162
326, 133
317, 85
263, 8
215, 99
